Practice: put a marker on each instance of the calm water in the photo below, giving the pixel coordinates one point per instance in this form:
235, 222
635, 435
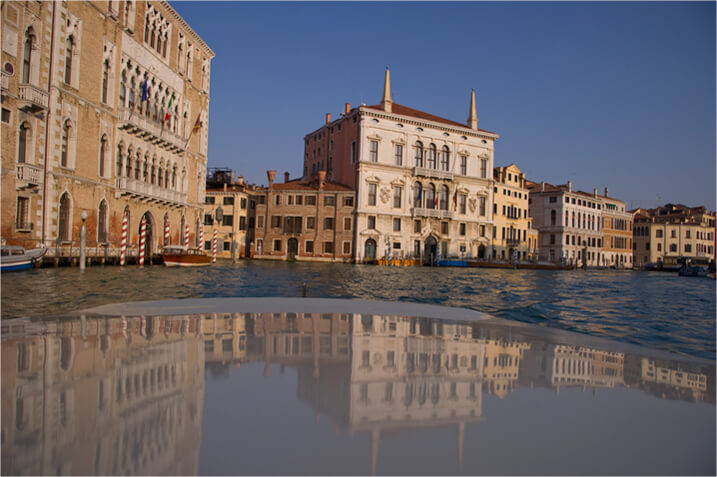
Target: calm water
657, 310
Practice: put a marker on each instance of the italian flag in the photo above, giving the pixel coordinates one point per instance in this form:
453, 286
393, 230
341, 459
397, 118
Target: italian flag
168, 114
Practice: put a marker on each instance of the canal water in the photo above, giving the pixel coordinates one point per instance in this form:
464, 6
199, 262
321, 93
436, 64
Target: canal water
657, 310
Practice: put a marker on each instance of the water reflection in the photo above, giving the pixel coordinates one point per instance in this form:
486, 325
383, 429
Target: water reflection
125, 395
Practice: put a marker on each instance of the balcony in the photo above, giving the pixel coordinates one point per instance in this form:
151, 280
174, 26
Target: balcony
149, 192
150, 130
34, 98
4, 81
433, 173
436, 213
29, 175
513, 242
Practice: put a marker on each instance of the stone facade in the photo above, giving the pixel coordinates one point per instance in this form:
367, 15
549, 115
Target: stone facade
671, 232
512, 225
235, 231
122, 88
305, 220
423, 183
617, 233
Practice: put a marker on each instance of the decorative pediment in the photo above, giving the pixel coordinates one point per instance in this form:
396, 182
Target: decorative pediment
463, 190
483, 155
373, 180
374, 137
399, 141
463, 152
398, 182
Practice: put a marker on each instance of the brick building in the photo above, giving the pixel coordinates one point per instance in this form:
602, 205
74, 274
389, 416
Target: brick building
105, 111
305, 220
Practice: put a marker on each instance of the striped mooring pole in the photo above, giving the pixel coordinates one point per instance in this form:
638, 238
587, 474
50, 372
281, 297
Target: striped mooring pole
201, 237
123, 244
186, 235
214, 247
166, 232
142, 237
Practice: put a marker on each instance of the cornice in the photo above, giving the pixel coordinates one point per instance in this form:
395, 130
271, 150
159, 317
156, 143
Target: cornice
177, 17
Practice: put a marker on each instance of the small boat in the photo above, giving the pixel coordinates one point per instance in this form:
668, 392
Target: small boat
693, 271
176, 256
17, 258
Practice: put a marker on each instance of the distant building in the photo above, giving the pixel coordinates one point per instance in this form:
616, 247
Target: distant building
423, 183
512, 225
569, 223
235, 228
305, 220
105, 111
617, 233
673, 231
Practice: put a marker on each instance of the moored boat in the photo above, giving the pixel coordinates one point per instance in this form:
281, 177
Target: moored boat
176, 256
17, 258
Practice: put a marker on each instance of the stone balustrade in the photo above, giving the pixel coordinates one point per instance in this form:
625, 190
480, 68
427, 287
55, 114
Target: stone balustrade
35, 96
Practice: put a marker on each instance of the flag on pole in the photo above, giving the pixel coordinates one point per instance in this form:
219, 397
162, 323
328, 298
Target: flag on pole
168, 114
144, 91
455, 199
197, 124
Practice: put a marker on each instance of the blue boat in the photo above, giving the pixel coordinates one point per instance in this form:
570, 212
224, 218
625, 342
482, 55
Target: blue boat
451, 263
17, 258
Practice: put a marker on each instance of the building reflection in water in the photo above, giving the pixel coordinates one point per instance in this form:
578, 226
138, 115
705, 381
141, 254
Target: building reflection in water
124, 395
103, 396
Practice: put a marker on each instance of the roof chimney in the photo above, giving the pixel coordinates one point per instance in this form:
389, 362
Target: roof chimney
605, 191
472, 116
240, 180
225, 187
386, 101
347, 108
286, 177
570, 186
542, 186
270, 175
322, 179
328, 118
595, 192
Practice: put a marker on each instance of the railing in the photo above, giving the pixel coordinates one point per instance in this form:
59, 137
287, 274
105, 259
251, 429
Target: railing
33, 95
422, 171
513, 241
4, 81
437, 213
151, 191
29, 173
154, 128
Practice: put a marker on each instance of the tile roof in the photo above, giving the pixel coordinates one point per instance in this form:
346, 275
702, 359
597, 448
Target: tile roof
300, 184
406, 111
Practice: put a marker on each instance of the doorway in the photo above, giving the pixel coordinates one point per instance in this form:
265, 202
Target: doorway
430, 250
369, 252
292, 248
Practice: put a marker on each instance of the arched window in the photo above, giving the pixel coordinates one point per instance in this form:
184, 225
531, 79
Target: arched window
64, 148
102, 222
182, 232
431, 196
419, 154
431, 162
27, 56
119, 160
63, 226
443, 198
105, 79
153, 173
145, 170
137, 166
69, 45
123, 89
174, 177
128, 164
131, 93
103, 154
417, 194
159, 175
23, 143
445, 158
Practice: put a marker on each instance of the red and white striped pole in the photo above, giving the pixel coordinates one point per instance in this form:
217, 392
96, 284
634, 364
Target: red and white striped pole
123, 244
142, 233
201, 237
214, 247
186, 236
166, 231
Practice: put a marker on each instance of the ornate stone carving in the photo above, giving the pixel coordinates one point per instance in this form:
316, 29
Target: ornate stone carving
472, 204
385, 194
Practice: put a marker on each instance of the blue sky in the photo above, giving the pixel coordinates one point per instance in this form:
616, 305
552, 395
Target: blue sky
606, 94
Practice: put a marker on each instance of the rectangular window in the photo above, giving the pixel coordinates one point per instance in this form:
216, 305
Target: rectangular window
552, 239
372, 194
397, 190
328, 247
483, 168
277, 245
227, 246
464, 165
310, 223
347, 248
416, 248
228, 200
462, 203
310, 200
242, 203
397, 225
228, 220
444, 228
481, 206
482, 230
276, 221
242, 223
277, 200
329, 223
290, 200
373, 151
371, 222
309, 246
23, 213
5, 115
398, 155
347, 223
353, 152
261, 199
553, 200
329, 201
209, 199
208, 219
688, 248
348, 201
299, 200
462, 229
417, 226
397, 245
260, 222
